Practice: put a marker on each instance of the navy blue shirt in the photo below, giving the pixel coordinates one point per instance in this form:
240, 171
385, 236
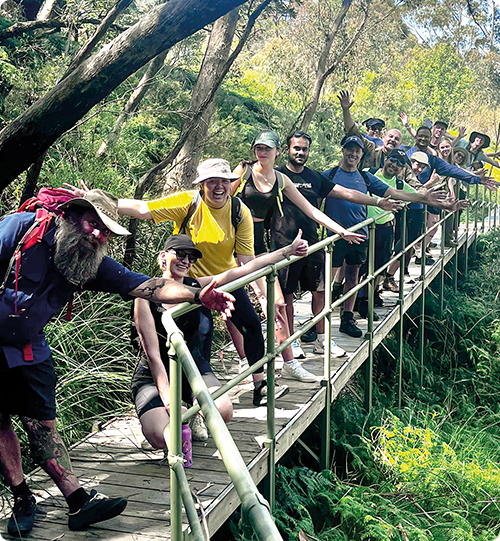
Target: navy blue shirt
344, 212
443, 168
43, 290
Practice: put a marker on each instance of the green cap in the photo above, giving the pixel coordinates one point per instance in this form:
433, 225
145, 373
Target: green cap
267, 137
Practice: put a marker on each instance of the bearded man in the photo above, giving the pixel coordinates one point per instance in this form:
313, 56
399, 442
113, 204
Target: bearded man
70, 257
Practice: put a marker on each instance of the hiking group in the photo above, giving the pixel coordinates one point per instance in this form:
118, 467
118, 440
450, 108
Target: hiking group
231, 224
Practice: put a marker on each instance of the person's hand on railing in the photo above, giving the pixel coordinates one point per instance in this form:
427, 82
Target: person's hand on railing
386, 203
77, 192
213, 299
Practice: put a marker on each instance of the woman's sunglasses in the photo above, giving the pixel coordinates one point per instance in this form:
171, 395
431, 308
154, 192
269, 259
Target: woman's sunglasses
181, 255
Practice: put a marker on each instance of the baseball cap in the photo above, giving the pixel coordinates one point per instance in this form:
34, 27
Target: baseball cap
352, 139
374, 122
267, 137
182, 242
399, 155
420, 157
442, 122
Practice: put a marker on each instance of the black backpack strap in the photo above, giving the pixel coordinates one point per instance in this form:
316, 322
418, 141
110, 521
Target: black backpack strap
236, 212
333, 172
193, 207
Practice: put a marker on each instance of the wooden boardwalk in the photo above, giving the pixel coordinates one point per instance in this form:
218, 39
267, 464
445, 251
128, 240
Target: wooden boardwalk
113, 462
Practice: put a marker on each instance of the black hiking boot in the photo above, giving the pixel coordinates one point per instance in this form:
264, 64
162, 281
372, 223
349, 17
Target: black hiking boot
23, 516
348, 325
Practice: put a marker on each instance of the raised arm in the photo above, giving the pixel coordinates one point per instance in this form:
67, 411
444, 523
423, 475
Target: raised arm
461, 133
404, 120
315, 214
346, 104
145, 325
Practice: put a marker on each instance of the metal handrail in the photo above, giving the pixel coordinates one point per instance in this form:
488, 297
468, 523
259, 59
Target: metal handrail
254, 506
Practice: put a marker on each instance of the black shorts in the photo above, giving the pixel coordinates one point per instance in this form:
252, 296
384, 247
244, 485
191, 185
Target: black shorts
352, 254
145, 393
260, 244
308, 272
28, 391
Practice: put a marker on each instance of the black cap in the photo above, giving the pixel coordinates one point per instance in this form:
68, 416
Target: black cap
374, 122
442, 122
400, 155
182, 242
352, 139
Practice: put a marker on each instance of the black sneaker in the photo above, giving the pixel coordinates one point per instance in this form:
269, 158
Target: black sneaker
310, 335
23, 516
260, 393
97, 509
348, 326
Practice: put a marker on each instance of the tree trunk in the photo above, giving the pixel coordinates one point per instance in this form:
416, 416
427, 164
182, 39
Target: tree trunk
89, 46
45, 11
33, 132
133, 102
311, 107
183, 171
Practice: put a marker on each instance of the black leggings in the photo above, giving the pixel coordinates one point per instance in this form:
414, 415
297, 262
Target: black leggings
246, 320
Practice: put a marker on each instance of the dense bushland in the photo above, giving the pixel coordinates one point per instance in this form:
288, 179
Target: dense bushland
430, 471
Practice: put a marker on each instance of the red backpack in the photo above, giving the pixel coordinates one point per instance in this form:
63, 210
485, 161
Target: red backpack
45, 206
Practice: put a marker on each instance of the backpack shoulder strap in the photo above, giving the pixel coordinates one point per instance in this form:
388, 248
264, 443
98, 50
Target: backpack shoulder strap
245, 175
193, 207
333, 172
236, 212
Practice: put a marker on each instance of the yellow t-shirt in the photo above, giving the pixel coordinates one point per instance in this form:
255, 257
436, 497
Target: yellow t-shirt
210, 229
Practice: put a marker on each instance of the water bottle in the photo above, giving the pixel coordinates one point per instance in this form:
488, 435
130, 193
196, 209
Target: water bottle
187, 449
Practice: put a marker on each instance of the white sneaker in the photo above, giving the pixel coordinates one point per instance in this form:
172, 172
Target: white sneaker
335, 351
199, 431
295, 370
298, 353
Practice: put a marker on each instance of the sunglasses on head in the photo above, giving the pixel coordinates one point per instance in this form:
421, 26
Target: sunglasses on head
181, 255
398, 161
303, 134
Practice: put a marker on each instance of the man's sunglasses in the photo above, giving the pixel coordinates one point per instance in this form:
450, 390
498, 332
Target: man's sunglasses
399, 162
302, 134
181, 255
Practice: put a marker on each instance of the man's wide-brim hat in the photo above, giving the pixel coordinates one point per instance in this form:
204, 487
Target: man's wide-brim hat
214, 168
486, 138
105, 206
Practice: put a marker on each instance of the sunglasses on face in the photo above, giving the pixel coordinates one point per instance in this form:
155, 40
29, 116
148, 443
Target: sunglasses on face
303, 134
181, 255
396, 160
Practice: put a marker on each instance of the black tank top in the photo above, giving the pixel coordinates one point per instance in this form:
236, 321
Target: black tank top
259, 203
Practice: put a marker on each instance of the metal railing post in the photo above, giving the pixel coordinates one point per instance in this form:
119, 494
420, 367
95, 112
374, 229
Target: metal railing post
369, 334
467, 218
326, 414
400, 334
441, 281
270, 443
476, 202
175, 446
422, 244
